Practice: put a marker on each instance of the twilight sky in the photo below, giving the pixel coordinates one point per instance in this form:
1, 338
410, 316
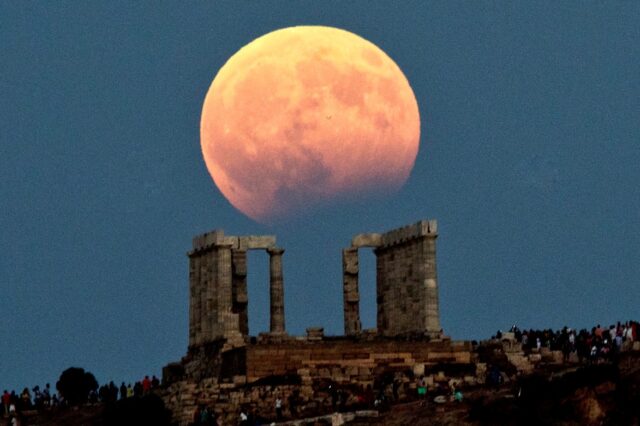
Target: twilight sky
529, 160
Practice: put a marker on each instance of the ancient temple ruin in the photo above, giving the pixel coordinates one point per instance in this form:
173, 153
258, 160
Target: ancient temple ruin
218, 287
406, 281
226, 368
230, 372
406, 284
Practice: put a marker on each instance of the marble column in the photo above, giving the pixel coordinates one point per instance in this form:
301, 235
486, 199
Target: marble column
226, 324
240, 295
351, 294
194, 299
432, 314
276, 283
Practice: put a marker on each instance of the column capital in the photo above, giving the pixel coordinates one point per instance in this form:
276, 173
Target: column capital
275, 251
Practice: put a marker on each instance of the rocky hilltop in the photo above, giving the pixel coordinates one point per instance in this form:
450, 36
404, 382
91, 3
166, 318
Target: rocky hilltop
552, 392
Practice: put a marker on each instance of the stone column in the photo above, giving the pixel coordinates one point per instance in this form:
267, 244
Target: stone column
276, 283
240, 296
208, 307
194, 301
227, 322
432, 314
351, 293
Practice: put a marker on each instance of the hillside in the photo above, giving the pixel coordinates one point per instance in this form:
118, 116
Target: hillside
602, 394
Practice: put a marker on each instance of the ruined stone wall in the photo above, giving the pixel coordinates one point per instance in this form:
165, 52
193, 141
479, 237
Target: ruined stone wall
351, 292
223, 369
406, 281
203, 307
218, 287
345, 361
306, 368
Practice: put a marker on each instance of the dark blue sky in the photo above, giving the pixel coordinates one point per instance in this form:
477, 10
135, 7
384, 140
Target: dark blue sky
529, 160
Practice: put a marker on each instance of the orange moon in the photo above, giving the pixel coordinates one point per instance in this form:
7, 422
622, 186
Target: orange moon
304, 116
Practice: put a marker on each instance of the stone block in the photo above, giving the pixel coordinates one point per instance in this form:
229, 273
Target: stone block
315, 333
356, 355
202, 241
351, 371
364, 371
462, 357
350, 262
239, 380
470, 380
557, 357
508, 335
418, 369
324, 372
535, 358
351, 297
366, 240
253, 242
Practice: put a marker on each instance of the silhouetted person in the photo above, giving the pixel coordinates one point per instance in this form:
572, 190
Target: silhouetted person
334, 397
196, 416
137, 389
6, 401
146, 384
46, 395
293, 403
278, 409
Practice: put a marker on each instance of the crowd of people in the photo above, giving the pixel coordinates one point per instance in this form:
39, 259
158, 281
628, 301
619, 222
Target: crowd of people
111, 392
597, 345
13, 404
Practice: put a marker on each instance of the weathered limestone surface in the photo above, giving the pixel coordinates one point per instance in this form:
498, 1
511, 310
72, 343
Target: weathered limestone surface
253, 242
276, 290
351, 295
366, 240
218, 304
341, 356
406, 284
406, 281
225, 369
239, 289
310, 364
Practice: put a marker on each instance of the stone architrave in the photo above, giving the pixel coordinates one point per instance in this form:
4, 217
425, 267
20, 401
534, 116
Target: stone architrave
276, 290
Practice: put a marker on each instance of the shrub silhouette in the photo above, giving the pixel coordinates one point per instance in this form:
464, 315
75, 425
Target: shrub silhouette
145, 410
75, 384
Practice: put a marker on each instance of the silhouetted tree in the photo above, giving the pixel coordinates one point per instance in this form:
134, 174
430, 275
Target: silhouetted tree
75, 384
145, 410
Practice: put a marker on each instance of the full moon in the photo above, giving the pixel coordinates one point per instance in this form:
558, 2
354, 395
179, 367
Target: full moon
306, 116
